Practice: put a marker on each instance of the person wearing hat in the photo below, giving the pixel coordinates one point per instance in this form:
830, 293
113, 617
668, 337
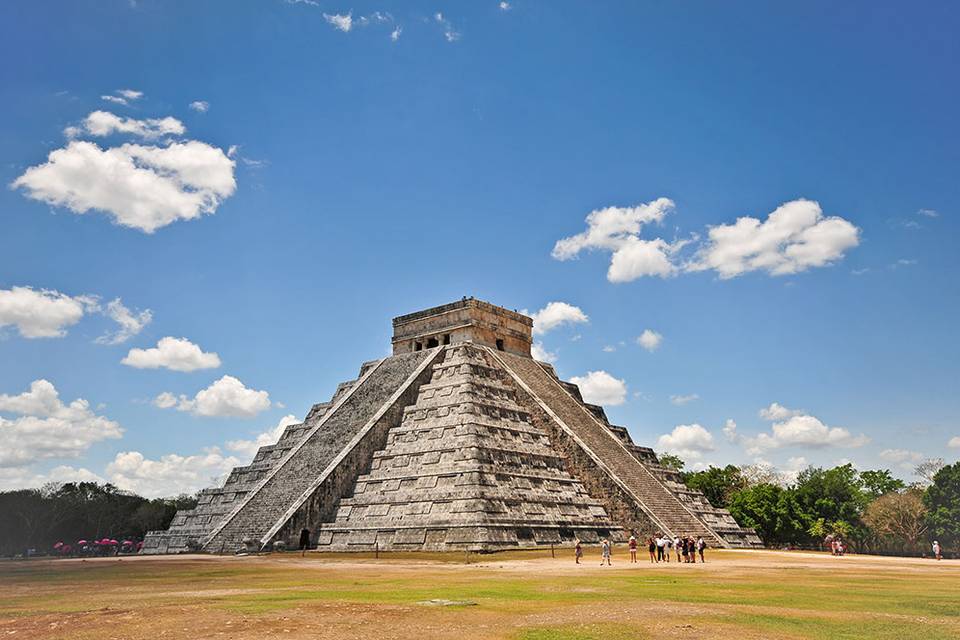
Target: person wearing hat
936, 550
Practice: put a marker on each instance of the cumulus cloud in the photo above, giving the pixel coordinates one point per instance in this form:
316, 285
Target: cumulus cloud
248, 448
794, 237
954, 442
650, 340
617, 230
12, 478
227, 397
200, 106
171, 474
539, 352
599, 387
554, 315
794, 428
341, 22
777, 411
689, 441
104, 123
123, 96
730, 431
176, 354
45, 428
681, 400
505, 6
142, 187
40, 313
904, 458
130, 323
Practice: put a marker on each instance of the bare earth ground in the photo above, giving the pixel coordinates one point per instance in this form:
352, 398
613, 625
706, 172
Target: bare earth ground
519, 596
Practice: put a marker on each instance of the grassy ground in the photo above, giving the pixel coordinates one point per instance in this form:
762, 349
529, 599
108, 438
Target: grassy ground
519, 597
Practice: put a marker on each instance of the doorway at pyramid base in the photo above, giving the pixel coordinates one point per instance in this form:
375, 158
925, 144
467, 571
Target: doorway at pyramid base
458, 441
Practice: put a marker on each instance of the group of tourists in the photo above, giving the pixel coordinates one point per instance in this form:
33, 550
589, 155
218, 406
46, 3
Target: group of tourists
97, 548
661, 547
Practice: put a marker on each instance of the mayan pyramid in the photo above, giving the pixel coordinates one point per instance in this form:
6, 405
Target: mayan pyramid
459, 440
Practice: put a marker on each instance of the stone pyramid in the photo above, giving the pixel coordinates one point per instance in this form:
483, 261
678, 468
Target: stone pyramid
459, 440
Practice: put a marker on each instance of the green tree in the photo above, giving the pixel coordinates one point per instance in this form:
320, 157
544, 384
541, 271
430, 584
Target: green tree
770, 509
671, 461
717, 484
879, 483
942, 500
837, 496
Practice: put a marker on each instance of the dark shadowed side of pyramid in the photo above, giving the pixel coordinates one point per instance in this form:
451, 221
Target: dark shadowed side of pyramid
458, 441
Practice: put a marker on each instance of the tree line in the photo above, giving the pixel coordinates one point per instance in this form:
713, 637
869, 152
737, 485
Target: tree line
39, 518
872, 510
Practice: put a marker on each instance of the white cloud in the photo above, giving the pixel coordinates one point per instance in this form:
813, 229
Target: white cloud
176, 354
792, 469
171, 474
395, 34
777, 411
40, 313
795, 428
451, 34
539, 352
200, 106
556, 314
794, 237
227, 397
123, 96
599, 387
617, 230
45, 428
505, 6
904, 262
609, 348
650, 340
12, 478
130, 323
130, 94
104, 123
143, 187
681, 400
341, 22
928, 213
687, 441
954, 442
248, 448
730, 431
904, 458
114, 99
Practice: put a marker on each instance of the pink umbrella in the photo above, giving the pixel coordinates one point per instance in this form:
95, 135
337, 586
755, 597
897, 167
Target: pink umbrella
113, 542
81, 542
58, 545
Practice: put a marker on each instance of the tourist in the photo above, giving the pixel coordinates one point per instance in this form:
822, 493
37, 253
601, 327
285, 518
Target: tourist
936, 550
686, 549
660, 543
676, 546
692, 548
577, 551
667, 546
633, 549
652, 547
701, 545
605, 552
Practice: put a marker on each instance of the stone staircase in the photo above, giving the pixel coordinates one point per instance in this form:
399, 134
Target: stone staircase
656, 500
353, 407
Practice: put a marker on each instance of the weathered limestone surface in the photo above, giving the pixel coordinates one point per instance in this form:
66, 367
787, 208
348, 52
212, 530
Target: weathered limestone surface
460, 440
264, 505
466, 469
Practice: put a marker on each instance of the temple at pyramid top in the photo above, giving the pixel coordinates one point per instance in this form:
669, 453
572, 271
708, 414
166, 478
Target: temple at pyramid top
458, 440
467, 320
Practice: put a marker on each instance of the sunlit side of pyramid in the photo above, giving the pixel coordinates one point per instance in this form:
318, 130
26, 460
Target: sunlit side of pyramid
459, 440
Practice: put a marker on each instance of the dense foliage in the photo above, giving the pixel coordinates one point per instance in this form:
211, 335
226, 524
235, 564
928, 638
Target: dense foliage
870, 510
38, 518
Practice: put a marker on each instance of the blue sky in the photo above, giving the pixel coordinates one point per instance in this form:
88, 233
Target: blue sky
317, 176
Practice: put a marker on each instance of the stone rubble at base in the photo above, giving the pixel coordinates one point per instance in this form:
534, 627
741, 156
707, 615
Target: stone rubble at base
458, 441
